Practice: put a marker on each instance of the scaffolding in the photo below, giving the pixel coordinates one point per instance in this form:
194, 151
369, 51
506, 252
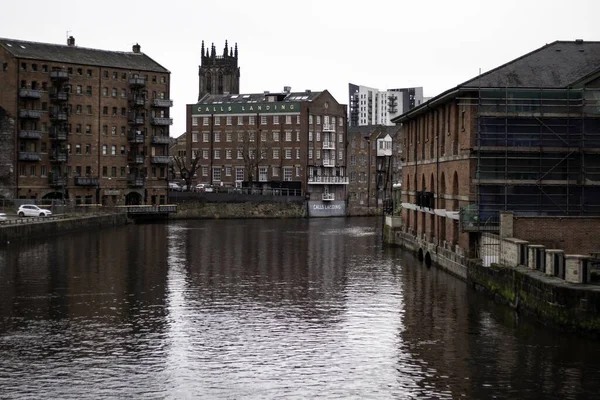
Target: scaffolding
537, 152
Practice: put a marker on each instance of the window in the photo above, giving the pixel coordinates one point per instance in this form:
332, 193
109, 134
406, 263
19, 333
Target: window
217, 174
114, 75
276, 154
122, 131
340, 155
318, 154
113, 150
79, 89
240, 137
288, 136
240, 155
275, 171
318, 120
204, 171
229, 120
78, 109
239, 174
113, 171
275, 136
310, 136
217, 136
229, 136
263, 136
113, 130
263, 119
123, 111
205, 137
205, 121
114, 92
122, 171
88, 129
205, 154
104, 149
310, 154
88, 90
310, 119
275, 119
217, 154
105, 171
318, 136
240, 120
79, 71
194, 137
78, 128
263, 174
114, 111
340, 122
105, 110
341, 138
297, 136
228, 154
104, 91
297, 154
217, 120
227, 171
104, 129
287, 173
194, 121
88, 109
251, 120
43, 170
288, 154
297, 171
153, 78
288, 119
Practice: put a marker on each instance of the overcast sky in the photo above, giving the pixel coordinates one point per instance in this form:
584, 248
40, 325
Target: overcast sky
312, 44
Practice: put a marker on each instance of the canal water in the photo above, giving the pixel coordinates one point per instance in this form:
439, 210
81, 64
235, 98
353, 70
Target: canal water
235, 309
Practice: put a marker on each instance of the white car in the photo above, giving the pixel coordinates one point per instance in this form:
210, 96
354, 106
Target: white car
204, 188
175, 187
2, 217
31, 210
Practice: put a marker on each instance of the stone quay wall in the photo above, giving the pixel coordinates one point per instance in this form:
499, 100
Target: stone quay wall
206, 210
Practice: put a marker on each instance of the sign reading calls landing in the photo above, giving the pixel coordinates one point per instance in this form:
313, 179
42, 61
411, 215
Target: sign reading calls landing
247, 108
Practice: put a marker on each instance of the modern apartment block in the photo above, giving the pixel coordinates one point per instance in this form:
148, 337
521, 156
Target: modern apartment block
91, 126
369, 106
523, 137
288, 140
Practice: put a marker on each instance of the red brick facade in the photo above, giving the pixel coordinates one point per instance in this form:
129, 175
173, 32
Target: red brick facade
574, 235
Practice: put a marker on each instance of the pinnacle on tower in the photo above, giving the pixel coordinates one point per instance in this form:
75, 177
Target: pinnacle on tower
213, 51
202, 49
235, 53
225, 49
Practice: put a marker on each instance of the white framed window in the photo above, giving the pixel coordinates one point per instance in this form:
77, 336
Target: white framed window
275, 170
263, 136
217, 136
205, 137
275, 119
229, 136
276, 136
228, 154
318, 154
205, 121
194, 121
340, 122
240, 120
240, 155
341, 137
297, 154
288, 119
297, 171
205, 154
297, 136
217, 174
340, 155
251, 120
263, 174
113, 150
217, 154
240, 136
217, 120
227, 171
276, 154
195, 137
263, 119
252, 154
252, 136
326, 119
204, 171
287, 173
288, 154
229, 120
318, 120
310, 136
239, 174
310, 154
298, 119
333, 121
310, 119
318, 136
288, 136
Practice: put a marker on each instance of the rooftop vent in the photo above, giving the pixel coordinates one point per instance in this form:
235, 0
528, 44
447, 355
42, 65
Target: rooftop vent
71, 41
579, 41
136, 48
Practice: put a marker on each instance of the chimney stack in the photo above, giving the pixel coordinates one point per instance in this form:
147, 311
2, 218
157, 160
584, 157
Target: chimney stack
71, 41
136, 48
287, 89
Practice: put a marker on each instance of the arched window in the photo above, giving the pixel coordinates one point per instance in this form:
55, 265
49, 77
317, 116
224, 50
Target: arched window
208, 82
220, 82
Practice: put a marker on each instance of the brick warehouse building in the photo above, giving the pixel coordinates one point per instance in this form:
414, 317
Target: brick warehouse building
523, 137
273, 140
92, 126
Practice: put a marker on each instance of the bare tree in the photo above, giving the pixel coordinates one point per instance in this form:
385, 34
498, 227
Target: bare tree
187, 170
254, 147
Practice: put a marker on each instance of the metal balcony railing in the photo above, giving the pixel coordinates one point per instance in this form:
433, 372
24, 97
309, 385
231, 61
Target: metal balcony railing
135, 181
328, 145
86, 181
162, 121
159, 160
59, 75
30, 93
135, 158
137, 82
328, 127
34, 114
162, 103
325, 180
29, 156
25, 134
161, 140
138, 138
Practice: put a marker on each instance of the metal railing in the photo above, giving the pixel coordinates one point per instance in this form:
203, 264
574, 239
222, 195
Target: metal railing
342, 180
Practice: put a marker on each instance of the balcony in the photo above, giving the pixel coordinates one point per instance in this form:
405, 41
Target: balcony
159, 160
161, 140
58, 95
59, 75
57, 133
328, 196
328, 163
135, 180
137, 82
328, 127
56, 180
136, 138
30, 93
135, 158
328, 180
162, 103
34, 135
328, 145
137, 101
85, 181
136, 120
33, 114
162, 121
29, 156
59, 115
58, 156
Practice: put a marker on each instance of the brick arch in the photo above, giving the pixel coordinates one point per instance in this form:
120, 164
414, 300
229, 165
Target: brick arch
455, 191
442, 193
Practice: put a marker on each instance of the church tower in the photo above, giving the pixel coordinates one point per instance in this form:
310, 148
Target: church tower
219, 73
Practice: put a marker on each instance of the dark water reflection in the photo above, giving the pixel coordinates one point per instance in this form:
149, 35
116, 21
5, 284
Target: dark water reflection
264, 309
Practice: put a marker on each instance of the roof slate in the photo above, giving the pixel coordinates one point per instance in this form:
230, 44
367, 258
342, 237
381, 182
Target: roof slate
257, 97
81, 55
556, 65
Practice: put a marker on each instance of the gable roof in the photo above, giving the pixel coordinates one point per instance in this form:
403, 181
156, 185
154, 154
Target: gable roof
80, 55
558, 65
